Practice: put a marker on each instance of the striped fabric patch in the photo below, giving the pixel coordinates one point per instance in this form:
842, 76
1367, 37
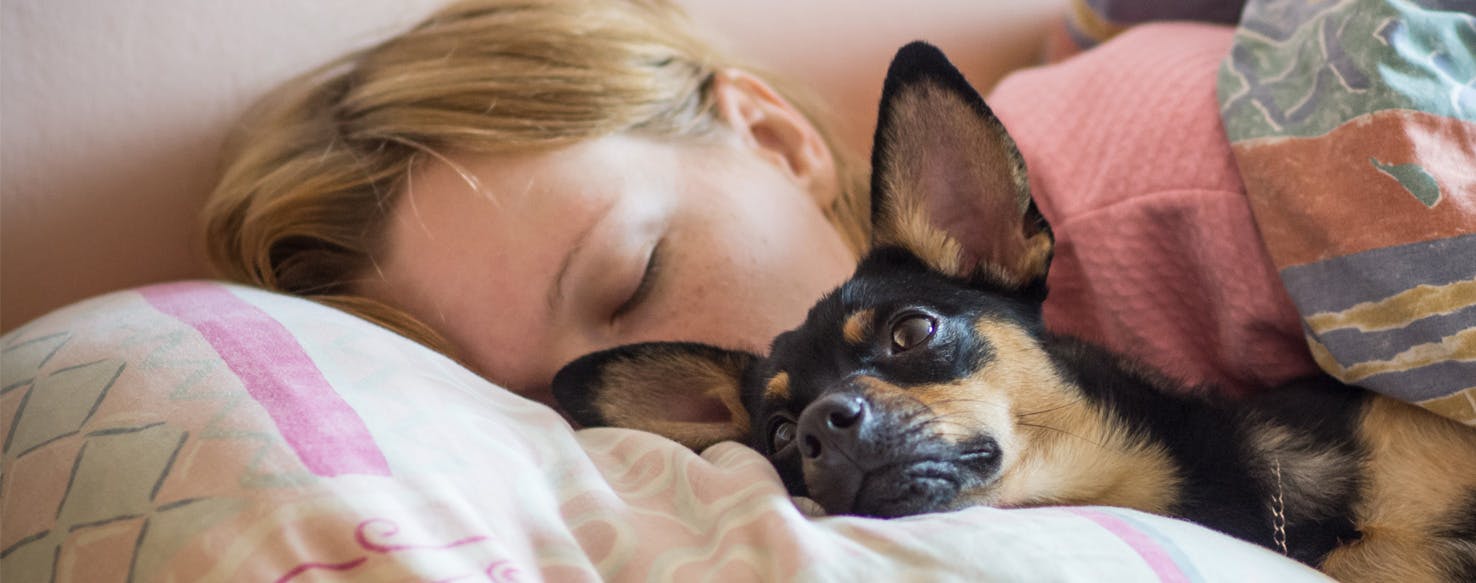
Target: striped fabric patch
327, 434
1406, 329
1161, 555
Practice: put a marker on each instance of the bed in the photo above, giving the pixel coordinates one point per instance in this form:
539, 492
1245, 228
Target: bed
196, 431
183, 429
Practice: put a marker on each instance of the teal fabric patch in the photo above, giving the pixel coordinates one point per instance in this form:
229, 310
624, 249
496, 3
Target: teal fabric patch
1414, 179
1301, 69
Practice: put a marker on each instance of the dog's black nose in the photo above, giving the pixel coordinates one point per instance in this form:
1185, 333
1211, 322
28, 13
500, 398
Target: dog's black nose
832, 433
832, 425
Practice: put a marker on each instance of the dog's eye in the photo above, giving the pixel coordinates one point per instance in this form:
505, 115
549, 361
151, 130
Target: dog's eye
782, 431
912, 331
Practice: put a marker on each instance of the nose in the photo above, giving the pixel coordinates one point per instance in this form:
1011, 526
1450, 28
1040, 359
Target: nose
831, 427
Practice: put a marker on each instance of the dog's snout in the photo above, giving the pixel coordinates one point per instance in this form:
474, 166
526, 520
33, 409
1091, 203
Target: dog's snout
832, 424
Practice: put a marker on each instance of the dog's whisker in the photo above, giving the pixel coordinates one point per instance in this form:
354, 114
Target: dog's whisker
949, 418
974, 401
1059, 430
1051, 409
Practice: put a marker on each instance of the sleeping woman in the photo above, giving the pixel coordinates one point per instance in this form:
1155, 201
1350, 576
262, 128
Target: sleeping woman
516, 184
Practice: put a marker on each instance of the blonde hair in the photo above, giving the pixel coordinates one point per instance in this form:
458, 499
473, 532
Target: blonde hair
310, 177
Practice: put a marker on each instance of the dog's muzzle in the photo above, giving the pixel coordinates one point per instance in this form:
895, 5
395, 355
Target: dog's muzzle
860, 459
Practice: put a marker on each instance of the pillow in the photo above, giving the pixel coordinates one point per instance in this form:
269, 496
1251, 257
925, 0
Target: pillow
199, 431
1354, 127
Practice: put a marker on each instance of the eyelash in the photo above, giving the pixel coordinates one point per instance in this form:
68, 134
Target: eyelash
648, 279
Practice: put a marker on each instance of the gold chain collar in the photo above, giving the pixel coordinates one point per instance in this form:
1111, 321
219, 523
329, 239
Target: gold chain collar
1278, 511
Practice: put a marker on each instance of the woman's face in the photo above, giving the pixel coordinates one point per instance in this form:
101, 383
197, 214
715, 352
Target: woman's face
526, 262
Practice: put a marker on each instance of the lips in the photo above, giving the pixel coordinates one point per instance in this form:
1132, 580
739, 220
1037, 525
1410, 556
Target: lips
905, 490
981, 454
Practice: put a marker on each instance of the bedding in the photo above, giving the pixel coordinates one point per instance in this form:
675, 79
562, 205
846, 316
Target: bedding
1305, 176
1089, 23
1354, 128
199, 431
1157, 252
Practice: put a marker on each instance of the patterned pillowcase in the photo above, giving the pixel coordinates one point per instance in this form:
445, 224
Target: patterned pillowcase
1354, 126
203, 432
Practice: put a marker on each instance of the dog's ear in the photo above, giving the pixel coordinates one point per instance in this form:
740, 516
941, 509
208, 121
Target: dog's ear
947, 182
690, 393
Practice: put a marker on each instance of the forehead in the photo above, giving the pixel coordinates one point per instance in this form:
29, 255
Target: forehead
450, 242
475, 242
473, 250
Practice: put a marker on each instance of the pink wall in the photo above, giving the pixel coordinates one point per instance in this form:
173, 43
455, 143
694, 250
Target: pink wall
112, 113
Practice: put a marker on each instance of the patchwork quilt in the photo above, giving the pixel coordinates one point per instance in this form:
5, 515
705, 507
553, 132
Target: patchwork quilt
1354, 126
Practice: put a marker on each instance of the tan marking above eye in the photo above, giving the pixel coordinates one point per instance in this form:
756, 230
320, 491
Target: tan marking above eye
858, 326
778, 388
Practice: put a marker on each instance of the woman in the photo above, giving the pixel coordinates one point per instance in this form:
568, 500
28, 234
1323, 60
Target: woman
564, 176
519, 184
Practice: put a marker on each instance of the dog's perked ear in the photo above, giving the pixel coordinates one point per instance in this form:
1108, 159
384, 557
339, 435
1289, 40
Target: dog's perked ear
690, 393
947, 182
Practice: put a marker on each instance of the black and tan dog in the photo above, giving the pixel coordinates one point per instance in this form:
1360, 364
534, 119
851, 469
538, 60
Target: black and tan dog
927, 382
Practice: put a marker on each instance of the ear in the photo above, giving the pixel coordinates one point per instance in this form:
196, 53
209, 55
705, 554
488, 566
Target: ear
690, 393
778, 131
948, 183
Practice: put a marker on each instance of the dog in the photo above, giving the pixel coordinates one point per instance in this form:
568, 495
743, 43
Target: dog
928, 382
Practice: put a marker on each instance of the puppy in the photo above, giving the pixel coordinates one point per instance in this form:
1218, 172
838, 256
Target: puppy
927, 382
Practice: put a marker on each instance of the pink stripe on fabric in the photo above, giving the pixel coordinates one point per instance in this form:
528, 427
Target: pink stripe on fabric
327, 434
1153, 554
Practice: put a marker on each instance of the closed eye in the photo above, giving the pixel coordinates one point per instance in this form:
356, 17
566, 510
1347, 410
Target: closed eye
647, 284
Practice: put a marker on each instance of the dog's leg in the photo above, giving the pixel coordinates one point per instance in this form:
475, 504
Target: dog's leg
1419, 491
1389, 556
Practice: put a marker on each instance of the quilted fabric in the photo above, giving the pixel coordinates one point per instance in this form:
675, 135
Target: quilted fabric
1158, 255
204, 432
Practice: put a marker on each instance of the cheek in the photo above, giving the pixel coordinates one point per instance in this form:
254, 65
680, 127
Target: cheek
791, 256
742, 304
741, 277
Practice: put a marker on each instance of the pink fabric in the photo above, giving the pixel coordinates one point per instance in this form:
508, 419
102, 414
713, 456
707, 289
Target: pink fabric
1153, 554
1157, 255
328, 436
